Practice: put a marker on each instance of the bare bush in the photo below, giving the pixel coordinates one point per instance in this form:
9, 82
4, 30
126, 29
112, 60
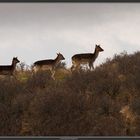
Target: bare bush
86, 103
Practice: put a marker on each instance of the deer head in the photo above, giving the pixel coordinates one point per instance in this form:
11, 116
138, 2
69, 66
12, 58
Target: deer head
60, 56
98, 48
15, 60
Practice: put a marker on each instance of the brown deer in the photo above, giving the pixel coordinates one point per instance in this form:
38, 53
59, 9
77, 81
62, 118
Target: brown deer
48, 64
85, 58
9, 69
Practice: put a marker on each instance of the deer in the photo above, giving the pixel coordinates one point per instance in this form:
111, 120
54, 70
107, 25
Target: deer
48, 64
85, 58
9, 69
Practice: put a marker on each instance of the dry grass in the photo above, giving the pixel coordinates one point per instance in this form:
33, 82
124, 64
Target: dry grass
84, 103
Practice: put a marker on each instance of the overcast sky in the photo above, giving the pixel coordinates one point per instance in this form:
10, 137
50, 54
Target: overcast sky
36, 31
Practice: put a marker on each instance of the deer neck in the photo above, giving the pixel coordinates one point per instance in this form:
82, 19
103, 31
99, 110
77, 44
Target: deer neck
13, 65
56, 61
95, 54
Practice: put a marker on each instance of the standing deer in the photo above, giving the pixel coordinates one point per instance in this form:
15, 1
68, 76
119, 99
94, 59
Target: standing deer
48, 64
9, 69
85, 58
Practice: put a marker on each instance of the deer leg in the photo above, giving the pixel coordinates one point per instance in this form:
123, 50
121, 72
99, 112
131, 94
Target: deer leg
53, 73
87, 67
15, 77
33, 71
73, 66
91, 67
77, 67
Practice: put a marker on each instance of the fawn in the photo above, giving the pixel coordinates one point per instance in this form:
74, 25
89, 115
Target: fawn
85, 58
9, 69
48, 64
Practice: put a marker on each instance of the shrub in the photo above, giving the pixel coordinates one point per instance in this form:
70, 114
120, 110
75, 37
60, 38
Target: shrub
78, 103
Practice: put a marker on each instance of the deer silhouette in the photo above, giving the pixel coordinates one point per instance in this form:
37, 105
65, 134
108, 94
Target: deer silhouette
49, 64
85, 58
9, 69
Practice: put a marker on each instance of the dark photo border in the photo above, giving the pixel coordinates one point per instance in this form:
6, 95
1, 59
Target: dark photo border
70, 137
73, 1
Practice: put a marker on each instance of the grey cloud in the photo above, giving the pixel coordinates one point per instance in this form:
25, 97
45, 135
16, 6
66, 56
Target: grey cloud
37, 31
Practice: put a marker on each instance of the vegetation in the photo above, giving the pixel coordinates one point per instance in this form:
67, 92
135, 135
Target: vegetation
103, 102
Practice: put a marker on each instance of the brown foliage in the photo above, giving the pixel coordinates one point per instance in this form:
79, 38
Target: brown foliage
85, 103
